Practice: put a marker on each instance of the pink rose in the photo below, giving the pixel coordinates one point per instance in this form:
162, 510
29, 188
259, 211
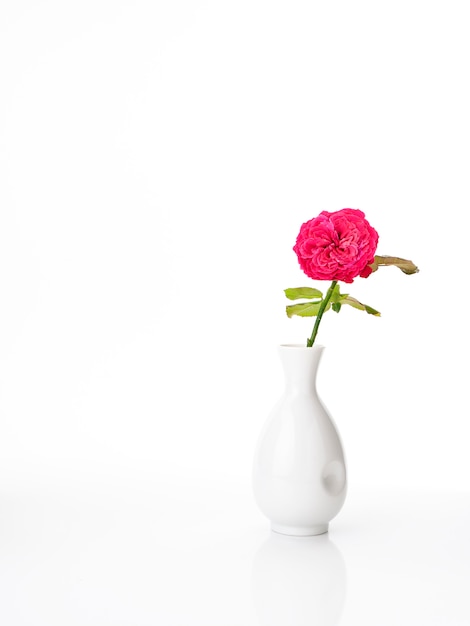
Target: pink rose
337, 246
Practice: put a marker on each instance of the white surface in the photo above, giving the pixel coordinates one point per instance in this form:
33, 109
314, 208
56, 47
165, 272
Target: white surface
99, 554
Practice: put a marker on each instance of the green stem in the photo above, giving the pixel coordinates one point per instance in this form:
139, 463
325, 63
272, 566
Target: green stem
321, 310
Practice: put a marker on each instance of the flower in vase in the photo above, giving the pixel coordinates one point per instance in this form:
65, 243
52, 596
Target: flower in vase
338, 246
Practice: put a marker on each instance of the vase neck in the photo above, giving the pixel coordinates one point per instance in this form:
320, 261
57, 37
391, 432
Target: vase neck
300, 365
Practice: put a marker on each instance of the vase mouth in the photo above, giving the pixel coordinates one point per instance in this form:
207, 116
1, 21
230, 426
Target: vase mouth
300, 346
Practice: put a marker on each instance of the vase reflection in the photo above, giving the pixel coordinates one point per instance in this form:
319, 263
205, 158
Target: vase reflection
299, 581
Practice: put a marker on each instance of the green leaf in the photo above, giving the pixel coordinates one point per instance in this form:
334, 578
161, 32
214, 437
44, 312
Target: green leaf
308, 293
305, 309
336, 306
371, 311
347, 299
335, 296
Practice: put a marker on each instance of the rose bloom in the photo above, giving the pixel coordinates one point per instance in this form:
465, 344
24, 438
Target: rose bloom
337, 246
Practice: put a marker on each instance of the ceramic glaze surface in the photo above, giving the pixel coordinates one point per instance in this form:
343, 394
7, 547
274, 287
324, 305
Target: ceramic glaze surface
299, 471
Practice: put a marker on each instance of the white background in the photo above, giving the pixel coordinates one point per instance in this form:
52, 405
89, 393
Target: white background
156, 162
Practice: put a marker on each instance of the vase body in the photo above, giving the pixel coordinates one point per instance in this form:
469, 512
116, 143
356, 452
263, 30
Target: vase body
299, 470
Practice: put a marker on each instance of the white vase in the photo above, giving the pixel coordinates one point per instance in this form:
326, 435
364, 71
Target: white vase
299, 471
